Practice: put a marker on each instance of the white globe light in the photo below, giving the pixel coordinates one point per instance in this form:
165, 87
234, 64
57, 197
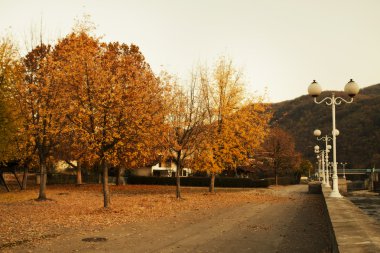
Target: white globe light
336, 132
314, 89
351, 88
317, 132
316, 149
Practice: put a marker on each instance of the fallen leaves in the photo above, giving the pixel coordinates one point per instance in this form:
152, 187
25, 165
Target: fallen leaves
77, 209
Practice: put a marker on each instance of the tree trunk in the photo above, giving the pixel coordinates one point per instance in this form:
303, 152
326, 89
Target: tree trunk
212, 183
79, 173
120, 176
42, 193
275, 176
106, 190
25, 177
178, 185
178, 178
3, 182
18, 181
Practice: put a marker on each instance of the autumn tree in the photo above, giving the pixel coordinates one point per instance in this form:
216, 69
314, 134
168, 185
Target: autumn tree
280, 147
305, 168
113, 101
9, 75
185, 122
39, 106
14, 145
236, 124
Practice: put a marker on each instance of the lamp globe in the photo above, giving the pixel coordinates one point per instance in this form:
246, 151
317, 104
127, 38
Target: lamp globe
351, 88
317, 132
314, 89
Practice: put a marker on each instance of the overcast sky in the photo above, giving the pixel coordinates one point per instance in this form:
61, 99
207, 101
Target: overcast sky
279, 44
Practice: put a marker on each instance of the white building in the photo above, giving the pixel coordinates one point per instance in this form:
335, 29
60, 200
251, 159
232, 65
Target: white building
162, 169
168, 169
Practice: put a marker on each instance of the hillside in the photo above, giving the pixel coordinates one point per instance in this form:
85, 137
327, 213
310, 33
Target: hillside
358, 123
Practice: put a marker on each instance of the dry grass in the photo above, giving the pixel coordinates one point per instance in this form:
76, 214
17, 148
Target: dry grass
73, 209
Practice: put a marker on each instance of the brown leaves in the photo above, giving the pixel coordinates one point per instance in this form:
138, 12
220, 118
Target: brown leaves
280, 147
77, 209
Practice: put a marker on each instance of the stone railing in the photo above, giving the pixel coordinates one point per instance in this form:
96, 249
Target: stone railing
351, 229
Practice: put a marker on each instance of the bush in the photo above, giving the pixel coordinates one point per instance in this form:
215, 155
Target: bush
200, 181
283, 180
61, 179
151, 180
230, 182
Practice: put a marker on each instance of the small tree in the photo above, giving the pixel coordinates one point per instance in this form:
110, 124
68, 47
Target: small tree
185, 122
235, 124
305, 168
280, 147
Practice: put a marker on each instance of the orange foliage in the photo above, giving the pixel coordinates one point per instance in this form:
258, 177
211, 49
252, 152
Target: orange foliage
236, 125
113, 102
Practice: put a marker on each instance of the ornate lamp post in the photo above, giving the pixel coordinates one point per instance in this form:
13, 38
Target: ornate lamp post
331, 164
326, 139
318, 170
318, 162
315, 90
344, 171
321, 160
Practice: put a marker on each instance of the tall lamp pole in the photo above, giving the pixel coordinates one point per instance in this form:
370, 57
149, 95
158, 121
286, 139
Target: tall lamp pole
321, 161
318, 162
326, 139
315, 90
318, 170
344, 171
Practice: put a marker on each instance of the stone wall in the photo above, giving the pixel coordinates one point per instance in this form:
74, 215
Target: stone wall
351, 229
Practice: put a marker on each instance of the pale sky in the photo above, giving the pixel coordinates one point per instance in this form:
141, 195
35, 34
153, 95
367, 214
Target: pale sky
279, 44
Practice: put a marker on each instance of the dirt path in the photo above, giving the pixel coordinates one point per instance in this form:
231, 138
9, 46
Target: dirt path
295, 225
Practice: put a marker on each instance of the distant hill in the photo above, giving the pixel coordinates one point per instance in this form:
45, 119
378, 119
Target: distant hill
358, 123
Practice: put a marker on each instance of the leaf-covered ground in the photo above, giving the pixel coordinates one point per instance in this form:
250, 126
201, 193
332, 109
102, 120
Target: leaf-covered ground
73, 209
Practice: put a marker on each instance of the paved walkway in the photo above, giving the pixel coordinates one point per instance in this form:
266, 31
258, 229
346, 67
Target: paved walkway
297, 224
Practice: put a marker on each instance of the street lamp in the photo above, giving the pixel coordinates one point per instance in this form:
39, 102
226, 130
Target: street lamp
344, 171
318, 170
326, 139
321, 158
317, 152
315, 90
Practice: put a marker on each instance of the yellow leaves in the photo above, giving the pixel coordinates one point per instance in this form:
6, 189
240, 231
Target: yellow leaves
235, 125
